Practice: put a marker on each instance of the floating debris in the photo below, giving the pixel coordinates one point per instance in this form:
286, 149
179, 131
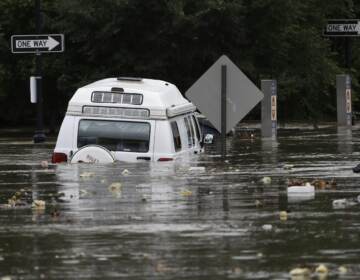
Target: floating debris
44, 164
55, 213
186, 192
321, 184
300, 272
295, 182
301, 190
87, 174
236, 271
162, 267
115, 186
38, 204
345, 202
267, 227
125, 172
83, 193
356, 169
115, 189
258, 203
135, 218
342, 270
283, 215
266, 180
322, 269
288, 166
197, 168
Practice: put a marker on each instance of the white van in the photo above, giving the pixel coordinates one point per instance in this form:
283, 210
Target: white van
133, 118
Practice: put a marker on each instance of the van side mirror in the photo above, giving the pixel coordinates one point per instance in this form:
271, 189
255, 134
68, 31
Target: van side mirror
208, 139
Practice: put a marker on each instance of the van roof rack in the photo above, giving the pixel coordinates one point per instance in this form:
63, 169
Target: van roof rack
131, 79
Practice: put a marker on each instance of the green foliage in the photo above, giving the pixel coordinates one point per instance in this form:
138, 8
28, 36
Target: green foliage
177, 40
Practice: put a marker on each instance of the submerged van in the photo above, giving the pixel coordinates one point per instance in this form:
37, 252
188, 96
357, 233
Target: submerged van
131, 118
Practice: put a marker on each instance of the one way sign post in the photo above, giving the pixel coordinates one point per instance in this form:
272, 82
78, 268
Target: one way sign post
44, 43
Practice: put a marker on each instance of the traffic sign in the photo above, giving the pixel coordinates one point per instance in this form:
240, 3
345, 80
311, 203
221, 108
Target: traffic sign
44, 43
342, 27
241, 94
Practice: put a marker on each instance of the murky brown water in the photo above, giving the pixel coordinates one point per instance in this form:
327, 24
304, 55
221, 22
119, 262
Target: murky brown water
167, 221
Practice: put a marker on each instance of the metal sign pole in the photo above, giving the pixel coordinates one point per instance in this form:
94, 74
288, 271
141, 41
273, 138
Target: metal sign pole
39, 135
348, 55
223, 110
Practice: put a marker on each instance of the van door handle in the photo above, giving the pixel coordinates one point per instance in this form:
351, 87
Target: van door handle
143, 158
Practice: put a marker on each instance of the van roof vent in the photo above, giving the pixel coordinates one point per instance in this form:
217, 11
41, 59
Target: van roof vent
117, 89
130, 79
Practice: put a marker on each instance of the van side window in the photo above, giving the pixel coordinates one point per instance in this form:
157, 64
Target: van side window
176, 136
192, 130
188, 131
197, 128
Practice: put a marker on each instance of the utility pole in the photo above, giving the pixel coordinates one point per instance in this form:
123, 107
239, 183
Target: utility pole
39, 135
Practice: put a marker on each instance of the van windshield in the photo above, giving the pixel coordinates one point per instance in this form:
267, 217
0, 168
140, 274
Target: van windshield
115, 135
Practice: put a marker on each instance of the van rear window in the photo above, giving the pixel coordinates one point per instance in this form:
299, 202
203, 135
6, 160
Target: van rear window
115, 135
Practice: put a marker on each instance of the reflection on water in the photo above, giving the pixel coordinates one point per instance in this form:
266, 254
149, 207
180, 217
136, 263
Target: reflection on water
167, 220
344, 135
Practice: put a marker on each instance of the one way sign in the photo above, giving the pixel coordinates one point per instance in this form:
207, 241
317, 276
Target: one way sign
44, 43
342, 27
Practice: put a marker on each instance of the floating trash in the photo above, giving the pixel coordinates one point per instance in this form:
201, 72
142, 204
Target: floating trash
38, 204
300, 193
197, 168
258, 203
301, 190
186, 192
322, 269
87, 174
266, 180
83, 193
236, 271
320, 184
162, 267
283, 215
300, 272
125, 172
44, 164
295, 182
135, 218
267, 227
55, 213
356, 169
288, 166
115, 189
342, 270
115, 186
344, 202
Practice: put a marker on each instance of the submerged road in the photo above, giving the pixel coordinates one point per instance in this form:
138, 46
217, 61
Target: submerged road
199, 218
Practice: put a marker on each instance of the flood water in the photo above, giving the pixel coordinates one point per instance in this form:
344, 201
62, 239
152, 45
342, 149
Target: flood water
170, 220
